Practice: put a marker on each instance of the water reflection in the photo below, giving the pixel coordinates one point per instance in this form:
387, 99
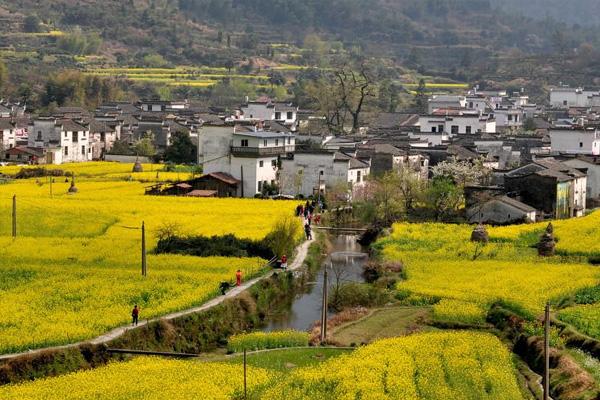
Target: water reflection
345, 264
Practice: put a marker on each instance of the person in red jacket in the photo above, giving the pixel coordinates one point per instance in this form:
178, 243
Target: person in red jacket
238, 278
135, 313
284, 262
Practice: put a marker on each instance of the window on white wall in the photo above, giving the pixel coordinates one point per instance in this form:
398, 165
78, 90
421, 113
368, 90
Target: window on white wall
261, 164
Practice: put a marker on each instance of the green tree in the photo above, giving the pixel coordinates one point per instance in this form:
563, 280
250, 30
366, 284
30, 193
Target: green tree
145, 147
122, 148
31, 24
529, 125
421, 98
3, 74
444, 198
155, 61
182, 150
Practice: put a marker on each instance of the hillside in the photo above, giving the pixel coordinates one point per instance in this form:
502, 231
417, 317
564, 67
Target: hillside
575, 12
449, 40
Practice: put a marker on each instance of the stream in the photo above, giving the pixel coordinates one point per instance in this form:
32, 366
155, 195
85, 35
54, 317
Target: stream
345, 264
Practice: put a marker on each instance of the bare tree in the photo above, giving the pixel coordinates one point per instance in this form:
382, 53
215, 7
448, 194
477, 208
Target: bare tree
342, 95
355, 88
339, 274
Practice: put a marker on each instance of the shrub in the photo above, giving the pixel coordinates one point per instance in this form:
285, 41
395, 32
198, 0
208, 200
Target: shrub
372, 271
202, 246
284, 236
267, 340
39, 172
537, 329
359, 295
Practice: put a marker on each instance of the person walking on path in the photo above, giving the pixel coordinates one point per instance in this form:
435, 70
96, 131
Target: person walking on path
238, 278
135, 313
308, 232
284, 262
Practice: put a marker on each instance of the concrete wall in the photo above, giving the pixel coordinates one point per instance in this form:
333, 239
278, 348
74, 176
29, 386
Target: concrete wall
258, 111
571, 98
42, 132
575, 142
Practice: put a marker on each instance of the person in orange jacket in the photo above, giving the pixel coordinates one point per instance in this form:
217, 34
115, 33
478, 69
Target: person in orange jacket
238, 278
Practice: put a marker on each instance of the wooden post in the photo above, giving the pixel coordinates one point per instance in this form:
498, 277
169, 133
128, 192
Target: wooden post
546, 377
319, 189
14, 217
242, 179
144, 271
245, 376
324, 309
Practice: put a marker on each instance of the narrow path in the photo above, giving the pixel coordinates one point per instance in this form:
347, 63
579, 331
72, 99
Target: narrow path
301, 253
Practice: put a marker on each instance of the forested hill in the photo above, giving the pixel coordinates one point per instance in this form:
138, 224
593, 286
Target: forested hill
460, 40
575, 12
179, 29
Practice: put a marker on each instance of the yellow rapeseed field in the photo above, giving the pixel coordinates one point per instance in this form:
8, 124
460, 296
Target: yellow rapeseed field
442, 263
576, 236
143, 378
443, 365
74, 270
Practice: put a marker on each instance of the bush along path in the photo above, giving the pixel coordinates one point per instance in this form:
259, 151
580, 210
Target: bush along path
300, 256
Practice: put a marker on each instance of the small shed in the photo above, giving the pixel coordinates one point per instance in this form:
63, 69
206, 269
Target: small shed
224, 184
502, 210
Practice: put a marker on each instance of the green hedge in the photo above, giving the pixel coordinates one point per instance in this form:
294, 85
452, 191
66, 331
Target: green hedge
267, 340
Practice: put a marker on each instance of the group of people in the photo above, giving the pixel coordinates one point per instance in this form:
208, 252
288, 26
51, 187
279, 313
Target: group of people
307, 212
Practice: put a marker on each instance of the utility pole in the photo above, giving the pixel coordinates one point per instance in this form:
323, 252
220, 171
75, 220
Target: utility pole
319, 190
14, 217
245, 376
242, 178
144, 271
324, 309
547, 352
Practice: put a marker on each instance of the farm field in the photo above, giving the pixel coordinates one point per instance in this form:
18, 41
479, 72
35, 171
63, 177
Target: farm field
179, 76
474, 366
74, 270
143, 378
465, 279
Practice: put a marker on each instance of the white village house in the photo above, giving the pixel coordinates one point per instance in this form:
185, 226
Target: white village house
566, 97
577, 140
313, 170
62, 141
445, 124
247, 154
267, 110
